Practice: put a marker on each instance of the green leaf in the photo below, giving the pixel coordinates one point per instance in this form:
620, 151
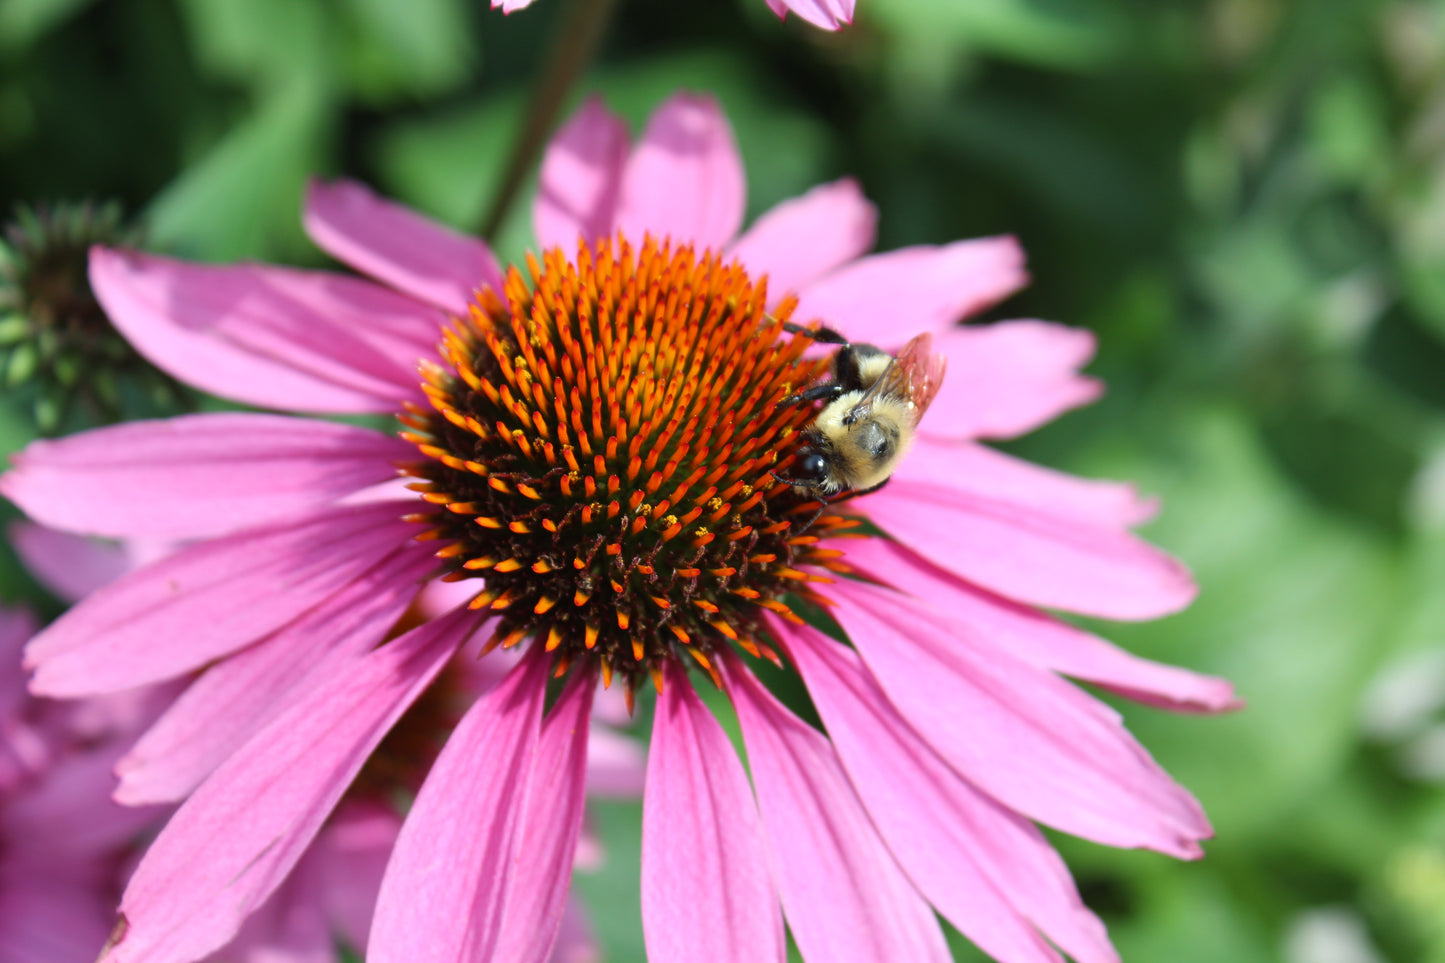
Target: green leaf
267, 44
419, 48
23, 22
1075, 34
243, 199
24, 359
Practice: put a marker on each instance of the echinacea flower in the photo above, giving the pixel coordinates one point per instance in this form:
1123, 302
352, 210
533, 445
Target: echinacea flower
828, 14
64, 845
327, 899
592, 451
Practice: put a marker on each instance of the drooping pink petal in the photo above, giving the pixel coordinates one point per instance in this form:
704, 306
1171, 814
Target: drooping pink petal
1038, 639
279, 338
511, 6
67, 815
1026, 737
458, 856
17, 627
986, 869
238, 836
24, 747
237, 696
211, 599
290, 927
351, 855
1031, 555
581, 178
684, 179
70, 566
394, 244
803, 239
828, 14
575, 942
993, 474
196, 475
114, 716
616, 765
1007, 379
537, 903
51, 917
845, 898
885, 299
707, 893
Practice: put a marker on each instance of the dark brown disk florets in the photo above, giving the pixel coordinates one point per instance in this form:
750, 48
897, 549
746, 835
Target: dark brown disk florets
600, 446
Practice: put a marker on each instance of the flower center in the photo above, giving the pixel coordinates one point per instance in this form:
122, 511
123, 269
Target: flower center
601, 448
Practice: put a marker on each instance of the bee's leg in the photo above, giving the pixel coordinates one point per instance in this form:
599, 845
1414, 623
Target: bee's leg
853, 493
824, 335
785, 479
824, 392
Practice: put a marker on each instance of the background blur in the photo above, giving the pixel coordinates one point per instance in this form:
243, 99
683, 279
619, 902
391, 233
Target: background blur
1244, 198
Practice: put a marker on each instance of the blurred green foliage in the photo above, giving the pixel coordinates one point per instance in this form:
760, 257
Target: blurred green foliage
1244, 198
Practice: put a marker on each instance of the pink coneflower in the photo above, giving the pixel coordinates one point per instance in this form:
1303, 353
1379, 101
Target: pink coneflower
591, 452
828, 14
64, 844
326, 901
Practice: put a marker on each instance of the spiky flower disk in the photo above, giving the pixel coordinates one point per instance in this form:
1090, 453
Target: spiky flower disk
54, 336
601, 446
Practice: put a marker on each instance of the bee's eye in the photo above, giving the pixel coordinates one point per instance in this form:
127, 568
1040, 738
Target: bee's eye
811, 465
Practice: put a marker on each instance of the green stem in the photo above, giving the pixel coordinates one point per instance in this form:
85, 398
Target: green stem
571, 50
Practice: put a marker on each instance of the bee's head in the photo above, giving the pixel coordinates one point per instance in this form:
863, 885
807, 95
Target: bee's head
810, 464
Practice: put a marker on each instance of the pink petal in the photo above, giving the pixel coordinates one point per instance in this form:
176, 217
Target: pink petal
511, 6
236, 839
993, 474
610, 706
69, 566
1031, 555
616, 764
1024, 736
707, 893
209, 600
237, 696
844, 896
116, 715
581, 178
575, 942
828, 14
986, 869
887, 298
398, 246
68, 814
458, 856
351, 855
1037, 639
269, 336
17, 627
290, 927
196, 475
685, 177
537, 903
802, 239
1007, 379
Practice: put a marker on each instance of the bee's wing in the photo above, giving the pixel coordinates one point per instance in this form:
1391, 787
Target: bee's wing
915, 373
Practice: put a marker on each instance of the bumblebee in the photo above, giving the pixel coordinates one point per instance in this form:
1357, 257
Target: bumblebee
871, 408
